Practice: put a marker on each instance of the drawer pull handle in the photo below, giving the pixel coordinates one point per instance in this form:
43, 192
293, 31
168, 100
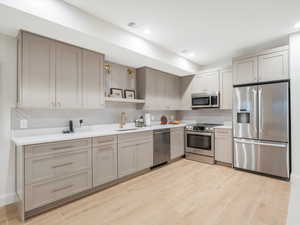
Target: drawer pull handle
62, 148
62, 165
63, 188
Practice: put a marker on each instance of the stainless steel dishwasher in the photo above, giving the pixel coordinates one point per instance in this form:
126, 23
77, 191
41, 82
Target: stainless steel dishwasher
161, 153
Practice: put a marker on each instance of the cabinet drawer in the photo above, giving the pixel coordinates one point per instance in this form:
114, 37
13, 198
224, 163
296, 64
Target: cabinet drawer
57, 165
135, 137
40, 194
104, 140
177, 130
223, 131
56, 147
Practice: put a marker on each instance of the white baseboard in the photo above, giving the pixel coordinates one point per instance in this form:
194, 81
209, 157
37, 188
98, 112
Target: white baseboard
295, 179
7, 199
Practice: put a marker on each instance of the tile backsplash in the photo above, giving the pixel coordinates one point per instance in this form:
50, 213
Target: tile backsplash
206, 115
46, 118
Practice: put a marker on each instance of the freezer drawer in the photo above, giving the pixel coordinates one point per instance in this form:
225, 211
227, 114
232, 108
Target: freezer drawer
265, 157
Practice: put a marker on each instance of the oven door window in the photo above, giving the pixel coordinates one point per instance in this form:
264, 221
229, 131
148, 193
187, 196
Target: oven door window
201, 142
199, 101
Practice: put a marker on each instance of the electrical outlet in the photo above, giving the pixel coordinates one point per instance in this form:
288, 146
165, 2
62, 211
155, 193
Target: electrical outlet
152, 118
23, 124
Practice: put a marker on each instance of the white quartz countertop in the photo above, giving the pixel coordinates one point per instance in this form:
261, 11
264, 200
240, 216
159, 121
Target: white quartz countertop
39, 136
225, 126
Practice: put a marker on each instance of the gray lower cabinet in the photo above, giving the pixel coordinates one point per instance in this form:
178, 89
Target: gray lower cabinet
135, 152
48, 173
40, 194
105, 166
144, 155
223, 145
54, 171
177, 142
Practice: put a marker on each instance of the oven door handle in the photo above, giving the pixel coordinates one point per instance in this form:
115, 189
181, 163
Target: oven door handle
199, 133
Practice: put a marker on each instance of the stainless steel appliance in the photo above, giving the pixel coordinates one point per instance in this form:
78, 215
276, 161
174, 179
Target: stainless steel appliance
161, 139
261, 128
200, 142
206, 100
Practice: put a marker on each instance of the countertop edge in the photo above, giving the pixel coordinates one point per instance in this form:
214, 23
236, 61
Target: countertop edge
47, 138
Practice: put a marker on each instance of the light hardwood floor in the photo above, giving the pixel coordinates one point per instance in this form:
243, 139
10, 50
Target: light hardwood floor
182, 193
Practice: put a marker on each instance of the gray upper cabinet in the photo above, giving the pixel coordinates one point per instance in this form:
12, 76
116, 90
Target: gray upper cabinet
160, 90
269, 65
274, 66
52, 74
68, 76
186, 91
36, 71
245, 71
92, 79
226, 87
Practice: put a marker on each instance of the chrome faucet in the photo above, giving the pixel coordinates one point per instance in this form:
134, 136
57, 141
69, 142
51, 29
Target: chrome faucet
123, 119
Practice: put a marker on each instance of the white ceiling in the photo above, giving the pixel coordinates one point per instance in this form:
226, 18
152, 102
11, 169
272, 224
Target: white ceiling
214, 30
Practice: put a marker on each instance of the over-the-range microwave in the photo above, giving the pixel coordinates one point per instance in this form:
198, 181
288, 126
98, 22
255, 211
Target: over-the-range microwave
206, 100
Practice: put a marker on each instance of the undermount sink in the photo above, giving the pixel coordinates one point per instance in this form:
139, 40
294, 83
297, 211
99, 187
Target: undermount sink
127, 129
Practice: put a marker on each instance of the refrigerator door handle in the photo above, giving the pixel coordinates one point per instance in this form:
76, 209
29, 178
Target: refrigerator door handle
261, 143
260, 117
255, 109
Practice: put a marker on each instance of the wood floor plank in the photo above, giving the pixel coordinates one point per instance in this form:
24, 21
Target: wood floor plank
182, 193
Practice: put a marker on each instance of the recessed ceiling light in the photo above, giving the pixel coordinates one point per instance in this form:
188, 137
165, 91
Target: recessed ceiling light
132, 24
185, 51
192, 54
147, 31
297, 25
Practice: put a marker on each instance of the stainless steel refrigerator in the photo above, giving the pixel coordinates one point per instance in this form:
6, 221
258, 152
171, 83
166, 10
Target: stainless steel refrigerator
261, 128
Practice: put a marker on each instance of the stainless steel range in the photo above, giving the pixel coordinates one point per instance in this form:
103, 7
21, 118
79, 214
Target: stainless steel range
200, 142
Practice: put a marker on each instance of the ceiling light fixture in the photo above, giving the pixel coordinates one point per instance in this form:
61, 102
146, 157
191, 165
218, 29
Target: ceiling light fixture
297, 25
132, 24
147, 31
192, 54
187, 53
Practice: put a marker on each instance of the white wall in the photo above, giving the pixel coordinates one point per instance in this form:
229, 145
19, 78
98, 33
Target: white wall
61, 21
8, 83
294, 216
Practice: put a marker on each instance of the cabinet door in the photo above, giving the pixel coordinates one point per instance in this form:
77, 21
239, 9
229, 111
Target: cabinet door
177, 142
245, 71
223, 146
68, 76
92, 79
144, 155
226, 89
274, 66
104, 163
151, 92
37, 79
127, 159
186, 92
206, 82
